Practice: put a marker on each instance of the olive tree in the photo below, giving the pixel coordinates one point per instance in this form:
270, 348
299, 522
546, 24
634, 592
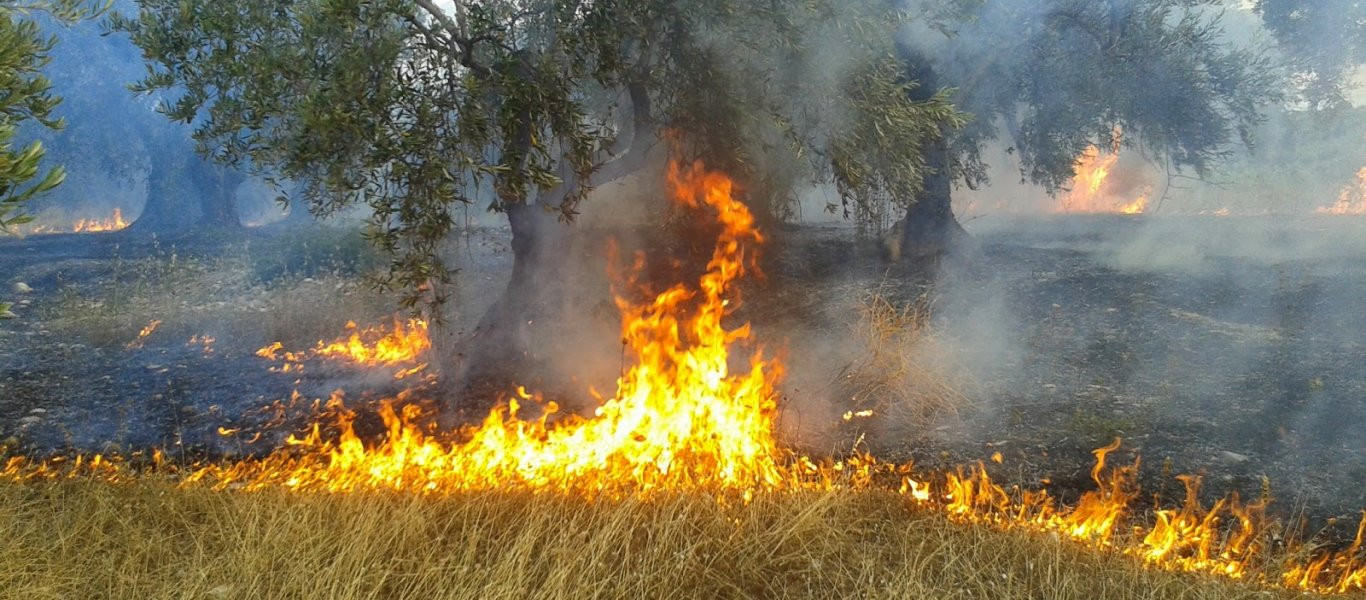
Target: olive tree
412, 107
26, 96
1324, 42
1049, 78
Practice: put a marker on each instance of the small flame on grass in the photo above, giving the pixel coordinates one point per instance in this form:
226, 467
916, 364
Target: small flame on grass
399, 344
204, 341
114, 222
143, 335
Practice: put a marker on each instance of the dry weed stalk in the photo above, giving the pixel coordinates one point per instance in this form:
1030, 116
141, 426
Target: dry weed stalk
902, 373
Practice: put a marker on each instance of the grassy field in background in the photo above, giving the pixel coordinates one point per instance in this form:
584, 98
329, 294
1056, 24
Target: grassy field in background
150, 539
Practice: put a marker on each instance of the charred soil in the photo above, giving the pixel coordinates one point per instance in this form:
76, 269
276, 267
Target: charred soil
1056, 338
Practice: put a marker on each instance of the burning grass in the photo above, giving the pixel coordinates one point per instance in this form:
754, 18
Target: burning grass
45, 225
675, 485
1089, 191
1351, 200
150, 539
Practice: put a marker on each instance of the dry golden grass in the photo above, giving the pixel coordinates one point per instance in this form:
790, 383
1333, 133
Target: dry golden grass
149, 539
901, 374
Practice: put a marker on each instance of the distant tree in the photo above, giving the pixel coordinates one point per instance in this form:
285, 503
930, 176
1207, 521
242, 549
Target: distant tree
114, 135
1324, 42
25, 95
411, 108
1056, 76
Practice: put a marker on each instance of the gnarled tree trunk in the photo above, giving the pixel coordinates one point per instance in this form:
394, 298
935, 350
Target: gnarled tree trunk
217, 190
188, 193
514, 341
510, 346
929, 230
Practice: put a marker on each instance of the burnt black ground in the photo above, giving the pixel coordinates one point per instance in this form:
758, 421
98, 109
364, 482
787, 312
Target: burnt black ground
1232, 348
1228, 348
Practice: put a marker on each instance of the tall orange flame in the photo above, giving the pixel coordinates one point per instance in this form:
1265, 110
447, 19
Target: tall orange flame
680, 416
1087, 194
1351, 200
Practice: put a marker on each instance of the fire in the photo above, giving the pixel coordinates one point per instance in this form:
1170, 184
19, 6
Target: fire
1136, 206
1351, 200
684, 418
1088, 194
143, 335
1230, 538
203, 341
1092, 168
680, 416
113, 223
402, 343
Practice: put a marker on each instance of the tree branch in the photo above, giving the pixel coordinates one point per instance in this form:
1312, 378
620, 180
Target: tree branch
441, 17
623, 164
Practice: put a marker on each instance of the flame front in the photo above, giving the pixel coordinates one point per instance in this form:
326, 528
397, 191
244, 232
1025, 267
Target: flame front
403, 343
1351, 200
1088, 195
680, 417
114, 222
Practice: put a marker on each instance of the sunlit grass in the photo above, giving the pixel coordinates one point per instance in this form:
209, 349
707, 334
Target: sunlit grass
151, 539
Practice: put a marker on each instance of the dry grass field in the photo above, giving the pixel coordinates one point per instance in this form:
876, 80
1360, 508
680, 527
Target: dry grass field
150, 539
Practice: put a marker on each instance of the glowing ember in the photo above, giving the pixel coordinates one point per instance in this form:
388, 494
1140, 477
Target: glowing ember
1088, 193
143, 335
203, 341
1351, 200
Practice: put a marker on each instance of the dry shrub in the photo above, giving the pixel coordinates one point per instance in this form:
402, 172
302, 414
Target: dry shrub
147, 539
902, 372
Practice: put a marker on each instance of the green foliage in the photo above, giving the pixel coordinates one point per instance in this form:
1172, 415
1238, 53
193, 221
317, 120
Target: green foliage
414, 110
25, 95
1325, 41
882, 155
